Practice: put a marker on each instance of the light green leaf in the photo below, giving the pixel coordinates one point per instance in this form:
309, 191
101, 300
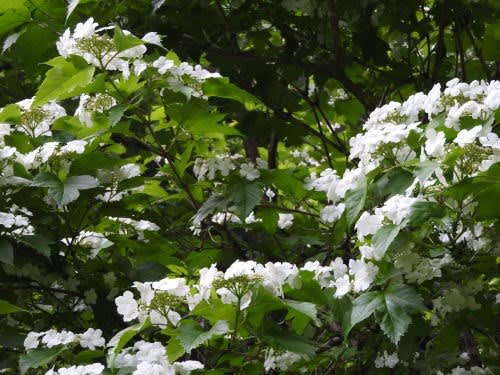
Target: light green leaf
39, 357
64, 79
9, 308
123, 41
175, 350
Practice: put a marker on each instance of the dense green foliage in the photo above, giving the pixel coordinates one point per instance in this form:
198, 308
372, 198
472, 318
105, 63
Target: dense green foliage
130, 166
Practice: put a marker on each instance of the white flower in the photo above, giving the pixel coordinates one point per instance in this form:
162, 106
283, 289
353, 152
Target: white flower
185, 367
332, 213
396, 208
368, 224
76, 146
279, 361
240, 268
387, 360
342, 286
249, 171
270, 194
175, 286
91, 339
338, 267
364, 274
152, 38
53, 338
127, 306
367, 252
163, 64
434, 146
32, 340
465, 136
285, 221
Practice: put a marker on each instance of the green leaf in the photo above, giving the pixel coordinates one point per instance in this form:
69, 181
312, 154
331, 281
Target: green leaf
306, 308
405, 296
9, 308
175, 350
425, 169
214, 311
182, 163
6, 252
64, 192
12, 15
245, 195
191, 335
354, 202
395, 323
39, 357
39, 243
222, 88
64, 79
383, 239
123, 42
118, 341
214, 202
364, 306
420, 212
285, 340
48, 180
401, 300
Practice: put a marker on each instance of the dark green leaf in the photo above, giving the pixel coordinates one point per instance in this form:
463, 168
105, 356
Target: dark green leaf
383, 239
6, 251
354, 202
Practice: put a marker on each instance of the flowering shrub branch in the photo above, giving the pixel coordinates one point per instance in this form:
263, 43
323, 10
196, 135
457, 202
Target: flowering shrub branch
390, 259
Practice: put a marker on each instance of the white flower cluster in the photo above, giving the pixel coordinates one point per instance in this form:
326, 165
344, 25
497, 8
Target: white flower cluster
90, 339
195, 75
98, 49
113, 177
207, 169
16, 222
89, 105
418, 269
36, 157
356, 278
37, 121
92, 369
455, 298
280, 361
150, 358
304, 159
93, 240
138, 226
386, 360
